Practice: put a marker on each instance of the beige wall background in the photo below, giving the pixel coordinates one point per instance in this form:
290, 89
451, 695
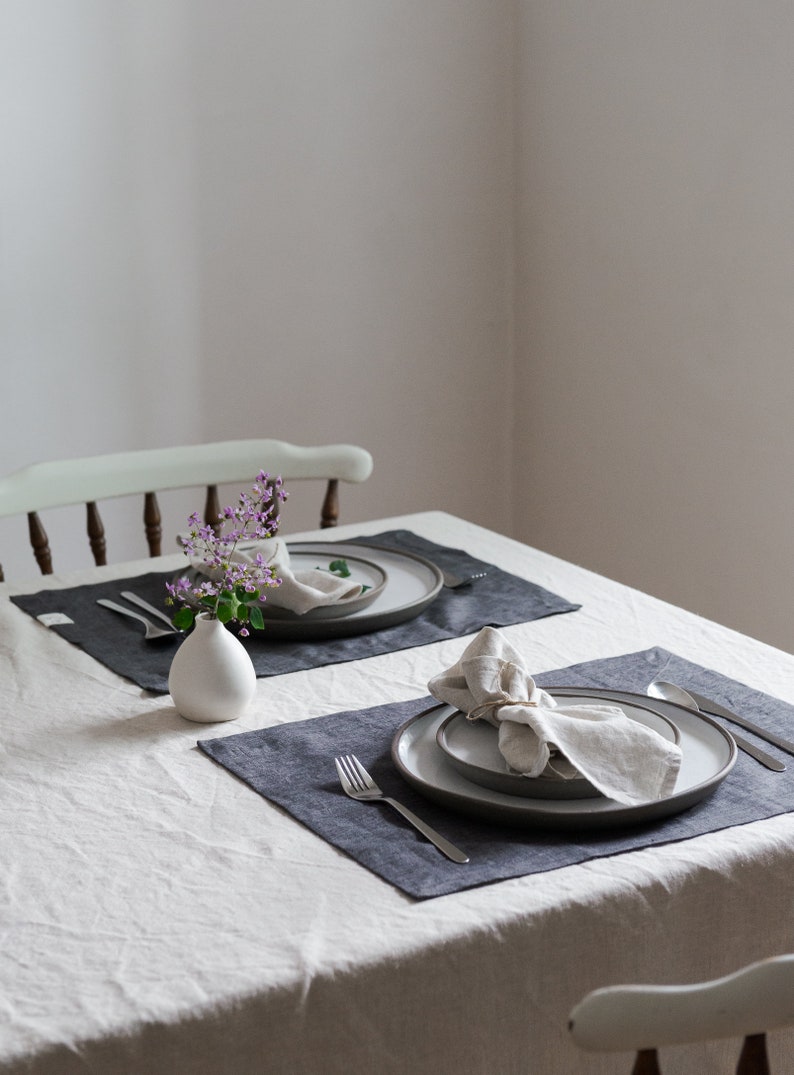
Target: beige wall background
230, 218
655, 298
538, 257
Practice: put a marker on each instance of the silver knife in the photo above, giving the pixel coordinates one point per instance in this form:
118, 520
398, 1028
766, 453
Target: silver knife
139, 601
721, 711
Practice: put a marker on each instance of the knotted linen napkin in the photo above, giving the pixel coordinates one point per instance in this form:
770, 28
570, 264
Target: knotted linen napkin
301, 590
623, 759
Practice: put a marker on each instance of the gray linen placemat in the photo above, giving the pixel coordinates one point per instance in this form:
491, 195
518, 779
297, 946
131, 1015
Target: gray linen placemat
292, 765
117, 642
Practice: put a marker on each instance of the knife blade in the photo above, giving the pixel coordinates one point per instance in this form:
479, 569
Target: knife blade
710, 706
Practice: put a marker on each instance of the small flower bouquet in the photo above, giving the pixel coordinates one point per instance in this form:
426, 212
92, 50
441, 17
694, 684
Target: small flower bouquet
233, 591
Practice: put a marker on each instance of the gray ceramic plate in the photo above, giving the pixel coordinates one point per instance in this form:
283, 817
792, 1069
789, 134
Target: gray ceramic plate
412, 583
709, 754
364, 572
472, 748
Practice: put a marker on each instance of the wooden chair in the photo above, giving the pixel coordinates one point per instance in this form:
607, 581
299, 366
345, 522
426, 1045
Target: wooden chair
754, 1000
147, 472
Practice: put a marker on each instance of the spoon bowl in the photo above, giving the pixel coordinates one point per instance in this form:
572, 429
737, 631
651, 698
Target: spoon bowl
671, 692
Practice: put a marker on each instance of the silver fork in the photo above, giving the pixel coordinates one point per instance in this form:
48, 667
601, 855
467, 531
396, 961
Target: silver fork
358, 784
153, 634
454, 582
128, 595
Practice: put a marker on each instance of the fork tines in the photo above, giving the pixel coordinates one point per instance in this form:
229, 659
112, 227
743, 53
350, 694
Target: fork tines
352, 772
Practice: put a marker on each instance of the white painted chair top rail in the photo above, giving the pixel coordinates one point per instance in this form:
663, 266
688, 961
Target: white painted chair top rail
753, 1000
70, 481
151, 471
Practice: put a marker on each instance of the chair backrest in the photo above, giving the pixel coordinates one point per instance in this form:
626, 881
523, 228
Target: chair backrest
147, 472
756, 999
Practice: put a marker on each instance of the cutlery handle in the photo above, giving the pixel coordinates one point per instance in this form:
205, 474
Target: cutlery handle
434, 837
139, 601
120, 608
758, 754
720, 710
770, 737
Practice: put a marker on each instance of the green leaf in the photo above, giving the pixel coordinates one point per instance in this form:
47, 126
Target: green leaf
183, 619
339, 567
225, 613
257, 619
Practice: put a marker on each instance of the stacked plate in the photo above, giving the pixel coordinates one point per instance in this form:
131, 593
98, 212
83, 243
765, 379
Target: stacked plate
400, 586
457, 762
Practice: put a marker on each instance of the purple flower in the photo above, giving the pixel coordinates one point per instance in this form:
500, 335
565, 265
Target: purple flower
253, 517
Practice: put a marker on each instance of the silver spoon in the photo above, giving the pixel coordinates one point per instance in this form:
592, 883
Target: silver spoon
671, 692
152, 633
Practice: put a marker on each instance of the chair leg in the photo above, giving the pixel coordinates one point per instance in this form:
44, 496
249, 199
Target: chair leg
330, 508
40, 543
212, 509
152, 521
753, 1059
96, 534
646, 1063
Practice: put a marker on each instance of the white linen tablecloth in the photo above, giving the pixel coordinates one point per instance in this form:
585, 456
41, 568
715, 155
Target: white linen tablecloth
157, 916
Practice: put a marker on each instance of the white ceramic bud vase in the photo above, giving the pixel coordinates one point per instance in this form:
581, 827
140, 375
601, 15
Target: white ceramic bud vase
212, 677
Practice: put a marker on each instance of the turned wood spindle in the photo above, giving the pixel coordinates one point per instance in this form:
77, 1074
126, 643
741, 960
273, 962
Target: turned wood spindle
647, 1063
40, 543
152, 523
96, 534
212, 508
330, 508
753, 1060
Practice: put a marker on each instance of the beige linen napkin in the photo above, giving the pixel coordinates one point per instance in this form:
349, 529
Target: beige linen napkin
623, 759
300, 590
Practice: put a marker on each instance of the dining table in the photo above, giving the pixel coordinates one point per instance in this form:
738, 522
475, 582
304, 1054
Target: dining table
183, 898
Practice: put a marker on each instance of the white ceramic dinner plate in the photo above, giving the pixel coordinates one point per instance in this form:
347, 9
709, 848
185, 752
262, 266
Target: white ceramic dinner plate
709, 754
472, 748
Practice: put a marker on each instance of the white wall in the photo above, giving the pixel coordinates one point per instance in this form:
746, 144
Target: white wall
656, 298
546, 241
286, 219
99, 314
